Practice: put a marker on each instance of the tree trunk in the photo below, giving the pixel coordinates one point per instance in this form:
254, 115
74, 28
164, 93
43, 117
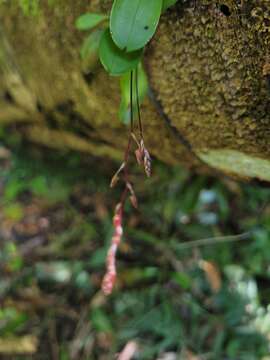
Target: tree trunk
208, 67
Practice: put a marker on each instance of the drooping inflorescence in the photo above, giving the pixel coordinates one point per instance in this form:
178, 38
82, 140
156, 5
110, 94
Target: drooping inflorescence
143, 158
110, 276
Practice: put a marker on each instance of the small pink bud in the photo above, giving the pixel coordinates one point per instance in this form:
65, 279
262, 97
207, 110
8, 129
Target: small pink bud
108, 283
139, 156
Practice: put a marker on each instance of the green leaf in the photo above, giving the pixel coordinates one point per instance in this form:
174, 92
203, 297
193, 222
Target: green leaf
88, 21
167, 4
114, 60
91, 44
142, 85
133, 23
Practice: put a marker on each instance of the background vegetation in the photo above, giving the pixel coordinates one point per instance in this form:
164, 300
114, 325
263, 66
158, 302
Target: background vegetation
177, 297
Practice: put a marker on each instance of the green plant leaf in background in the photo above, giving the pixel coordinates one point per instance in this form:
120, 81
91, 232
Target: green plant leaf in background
124, 111
91, 44
133, 23
167, 4
89, 20
115, 61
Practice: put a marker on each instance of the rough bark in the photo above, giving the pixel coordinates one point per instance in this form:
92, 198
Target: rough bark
209, 76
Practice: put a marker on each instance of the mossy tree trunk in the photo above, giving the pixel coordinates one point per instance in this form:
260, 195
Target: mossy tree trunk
208, 67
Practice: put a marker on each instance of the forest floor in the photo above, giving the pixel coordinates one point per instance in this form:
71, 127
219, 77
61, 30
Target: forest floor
178, 296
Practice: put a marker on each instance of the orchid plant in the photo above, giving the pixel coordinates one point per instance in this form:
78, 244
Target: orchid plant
119, 40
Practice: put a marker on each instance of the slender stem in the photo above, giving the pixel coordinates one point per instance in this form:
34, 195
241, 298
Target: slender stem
214, 240
131, 102
138, 103
123, 199
127, 151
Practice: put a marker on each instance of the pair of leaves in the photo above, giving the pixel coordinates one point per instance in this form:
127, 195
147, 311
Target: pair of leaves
132, 25
115, 61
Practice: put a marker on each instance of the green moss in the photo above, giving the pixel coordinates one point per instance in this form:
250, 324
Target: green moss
212, 85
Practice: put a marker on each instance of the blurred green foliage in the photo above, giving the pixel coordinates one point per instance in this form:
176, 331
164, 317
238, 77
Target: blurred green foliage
174, 294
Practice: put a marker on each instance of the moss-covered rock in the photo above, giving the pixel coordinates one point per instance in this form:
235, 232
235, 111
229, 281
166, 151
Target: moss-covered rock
208, 68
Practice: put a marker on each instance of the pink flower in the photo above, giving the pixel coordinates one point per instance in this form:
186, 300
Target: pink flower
111, 273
